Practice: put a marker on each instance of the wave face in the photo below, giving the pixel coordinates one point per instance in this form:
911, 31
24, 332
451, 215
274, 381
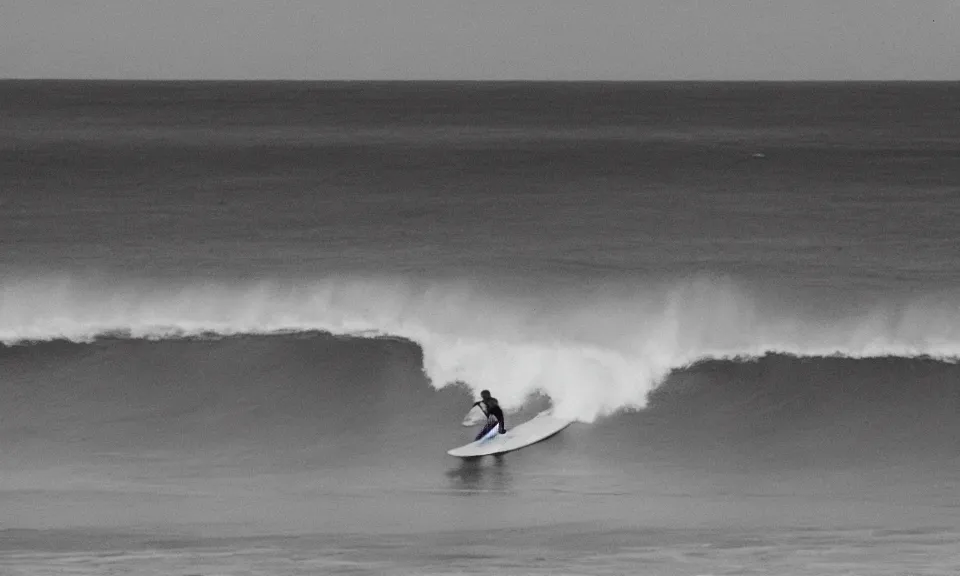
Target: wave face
202, 407
591, 351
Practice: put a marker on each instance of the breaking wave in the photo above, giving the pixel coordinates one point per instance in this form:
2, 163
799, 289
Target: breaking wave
592, 351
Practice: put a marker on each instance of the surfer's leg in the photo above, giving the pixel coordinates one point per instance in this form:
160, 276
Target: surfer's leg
491, 422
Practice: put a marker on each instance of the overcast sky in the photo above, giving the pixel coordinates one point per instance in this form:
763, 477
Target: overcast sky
481, 39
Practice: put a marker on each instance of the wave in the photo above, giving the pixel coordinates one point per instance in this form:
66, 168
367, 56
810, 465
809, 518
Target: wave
592, 350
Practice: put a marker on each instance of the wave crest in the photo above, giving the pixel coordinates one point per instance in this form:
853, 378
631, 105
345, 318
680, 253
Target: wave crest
591, 351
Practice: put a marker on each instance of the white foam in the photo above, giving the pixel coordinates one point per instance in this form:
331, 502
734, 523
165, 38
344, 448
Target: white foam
591, 352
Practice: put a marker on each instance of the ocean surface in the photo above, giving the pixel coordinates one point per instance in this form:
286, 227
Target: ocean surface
241, 324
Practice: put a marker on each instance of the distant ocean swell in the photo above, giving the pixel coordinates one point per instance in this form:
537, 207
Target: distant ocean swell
591, 351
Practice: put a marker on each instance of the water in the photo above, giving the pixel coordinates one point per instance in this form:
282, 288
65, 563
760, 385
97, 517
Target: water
242, 322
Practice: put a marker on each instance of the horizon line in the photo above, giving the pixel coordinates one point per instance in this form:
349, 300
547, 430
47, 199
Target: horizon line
482, 80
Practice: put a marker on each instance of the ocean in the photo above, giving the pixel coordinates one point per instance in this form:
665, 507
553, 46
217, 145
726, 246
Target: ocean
241, 323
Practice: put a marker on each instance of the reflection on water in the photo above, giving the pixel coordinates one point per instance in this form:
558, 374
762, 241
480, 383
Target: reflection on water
481, 475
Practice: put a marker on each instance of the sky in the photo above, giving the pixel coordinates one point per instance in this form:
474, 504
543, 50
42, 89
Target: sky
482, 39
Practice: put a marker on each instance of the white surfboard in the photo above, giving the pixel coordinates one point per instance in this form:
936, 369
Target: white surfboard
540, 427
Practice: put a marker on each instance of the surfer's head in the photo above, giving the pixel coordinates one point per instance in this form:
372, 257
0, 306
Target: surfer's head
484, 394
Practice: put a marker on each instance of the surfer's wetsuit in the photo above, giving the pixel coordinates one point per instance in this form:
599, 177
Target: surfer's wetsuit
494, 415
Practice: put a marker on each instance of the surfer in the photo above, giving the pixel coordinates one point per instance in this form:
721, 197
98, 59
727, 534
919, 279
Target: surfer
491, 407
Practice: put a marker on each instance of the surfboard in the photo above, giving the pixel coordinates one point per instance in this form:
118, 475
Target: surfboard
540, 427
